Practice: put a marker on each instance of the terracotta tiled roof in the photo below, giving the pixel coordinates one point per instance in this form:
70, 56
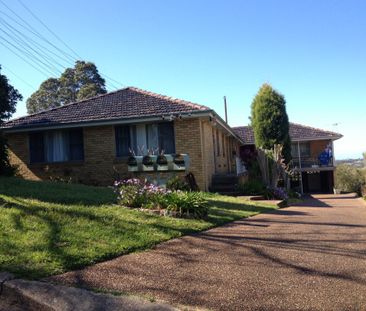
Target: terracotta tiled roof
297, 132
127, 103
245, 133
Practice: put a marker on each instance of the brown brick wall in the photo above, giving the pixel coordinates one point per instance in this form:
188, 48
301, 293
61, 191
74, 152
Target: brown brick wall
208, 152
188, 134
100, 166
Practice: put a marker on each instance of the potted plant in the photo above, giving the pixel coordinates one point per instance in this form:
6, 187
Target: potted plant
178, 162
132, 164
162, 162
152, 152
147, 163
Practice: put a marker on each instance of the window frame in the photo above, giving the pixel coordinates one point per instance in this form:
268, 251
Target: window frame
132, 140
44, 161
297, 147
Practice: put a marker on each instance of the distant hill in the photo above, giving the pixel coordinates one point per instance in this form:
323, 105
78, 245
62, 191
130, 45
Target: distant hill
354, 162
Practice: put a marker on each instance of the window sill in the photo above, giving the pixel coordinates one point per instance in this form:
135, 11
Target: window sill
66, 163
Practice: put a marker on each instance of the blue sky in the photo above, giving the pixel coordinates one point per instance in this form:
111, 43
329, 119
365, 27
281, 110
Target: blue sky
313, 52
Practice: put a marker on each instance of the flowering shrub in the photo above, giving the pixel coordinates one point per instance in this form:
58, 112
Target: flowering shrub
276, 193
136, 193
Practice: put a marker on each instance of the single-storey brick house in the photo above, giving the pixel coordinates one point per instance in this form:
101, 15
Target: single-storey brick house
312, 155
89, 141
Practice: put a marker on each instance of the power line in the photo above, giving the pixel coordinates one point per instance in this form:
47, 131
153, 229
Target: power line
12, 28
62, 41
26, 53
38, 57
20, 78
46, 58
50, 68
39, 46
25, 60
31, 29
44, 25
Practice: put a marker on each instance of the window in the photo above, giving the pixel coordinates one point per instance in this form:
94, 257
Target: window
123, 140
304, 150
166, 137
140, 138
223, 145
76, 145
56, 146
36, 144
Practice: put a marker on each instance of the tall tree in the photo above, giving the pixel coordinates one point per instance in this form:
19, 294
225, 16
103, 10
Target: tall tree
270, 121
46, 97
9, 97
80, 82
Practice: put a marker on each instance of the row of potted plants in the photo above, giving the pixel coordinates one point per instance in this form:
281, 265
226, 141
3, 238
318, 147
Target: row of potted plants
152, 162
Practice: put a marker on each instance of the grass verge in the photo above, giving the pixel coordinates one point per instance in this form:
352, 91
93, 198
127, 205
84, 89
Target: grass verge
48, 228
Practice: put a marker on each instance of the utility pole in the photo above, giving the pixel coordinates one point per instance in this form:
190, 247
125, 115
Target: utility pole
225, 109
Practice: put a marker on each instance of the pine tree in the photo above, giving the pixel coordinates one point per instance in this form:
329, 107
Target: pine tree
270, 121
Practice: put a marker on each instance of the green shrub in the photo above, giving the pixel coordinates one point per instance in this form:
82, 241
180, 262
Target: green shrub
348, 178
177, 183
187, 204
252, 187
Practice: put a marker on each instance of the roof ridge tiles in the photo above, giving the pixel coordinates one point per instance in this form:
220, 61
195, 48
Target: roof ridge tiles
170, 98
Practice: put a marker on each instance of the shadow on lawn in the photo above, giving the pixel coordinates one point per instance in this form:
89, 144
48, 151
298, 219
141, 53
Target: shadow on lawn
106, 234
69, 233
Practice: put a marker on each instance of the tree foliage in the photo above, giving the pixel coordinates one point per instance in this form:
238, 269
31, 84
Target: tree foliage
270, 121
9, 97
81, 82
348, 178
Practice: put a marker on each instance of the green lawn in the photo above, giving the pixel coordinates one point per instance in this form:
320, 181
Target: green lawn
48, 228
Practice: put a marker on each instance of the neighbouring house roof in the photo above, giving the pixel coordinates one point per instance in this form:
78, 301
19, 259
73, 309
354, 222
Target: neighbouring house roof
127, 103
298, 132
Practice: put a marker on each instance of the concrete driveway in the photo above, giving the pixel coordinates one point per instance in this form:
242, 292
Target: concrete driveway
306, 257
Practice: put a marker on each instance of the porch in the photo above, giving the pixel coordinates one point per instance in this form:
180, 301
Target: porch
314, 163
